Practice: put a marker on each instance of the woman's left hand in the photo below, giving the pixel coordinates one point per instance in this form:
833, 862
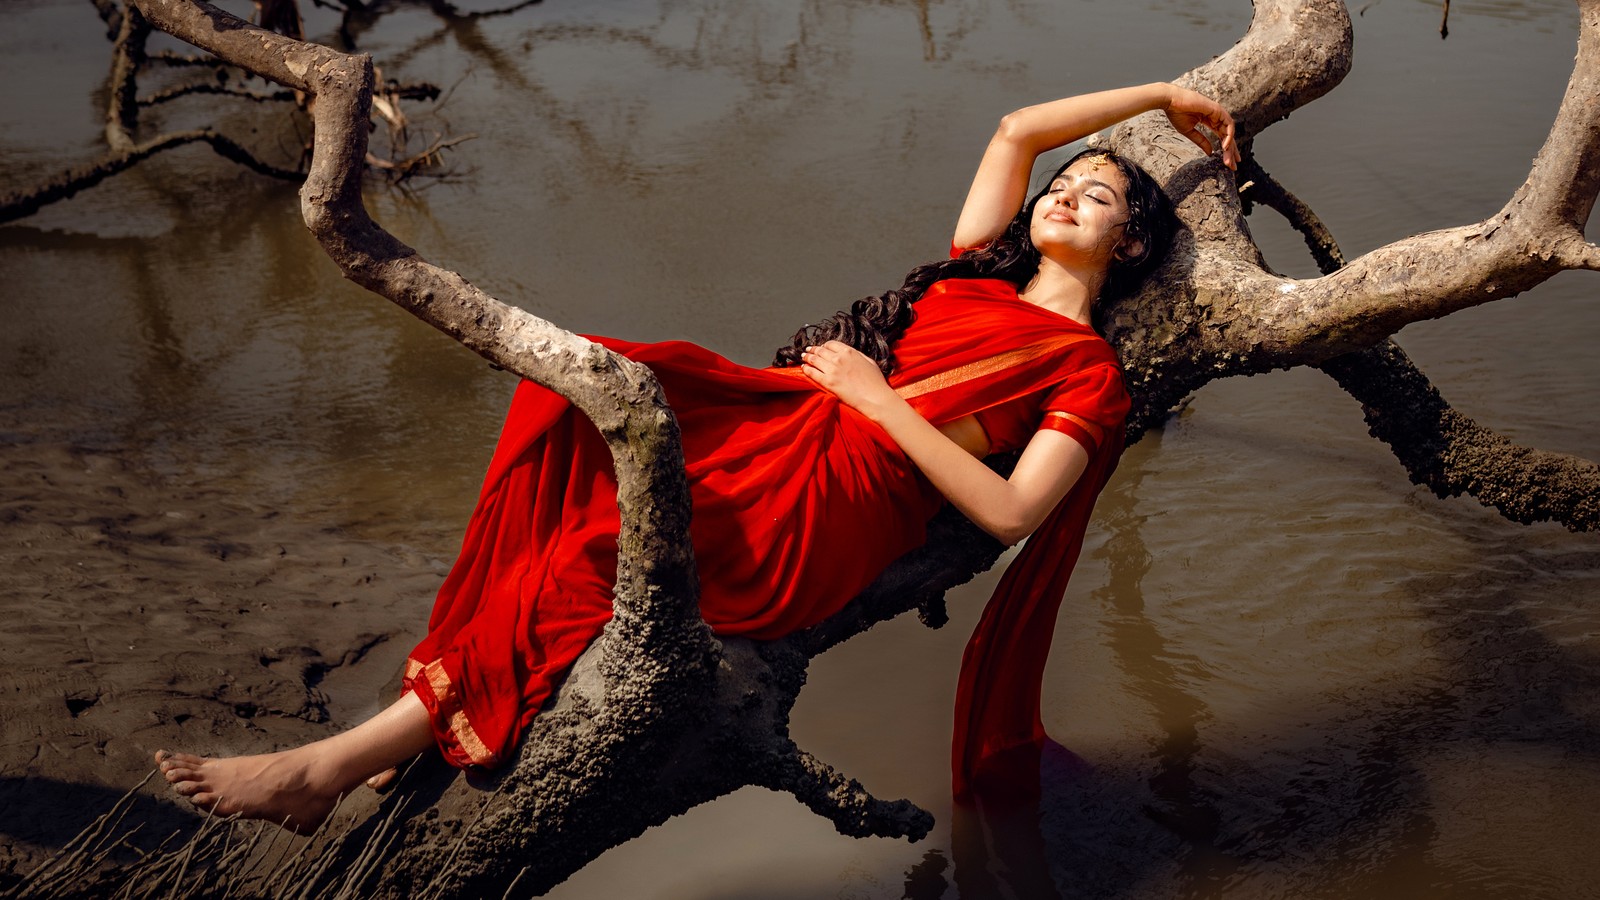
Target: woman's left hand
850, 375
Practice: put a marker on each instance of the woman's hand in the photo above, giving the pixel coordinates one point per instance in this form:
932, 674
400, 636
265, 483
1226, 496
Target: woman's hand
1188, 109
850, 375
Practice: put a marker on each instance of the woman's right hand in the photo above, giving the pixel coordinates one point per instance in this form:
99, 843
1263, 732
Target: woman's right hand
1188, 109
850, 375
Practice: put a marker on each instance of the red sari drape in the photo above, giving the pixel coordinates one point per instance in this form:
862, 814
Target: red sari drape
799, 503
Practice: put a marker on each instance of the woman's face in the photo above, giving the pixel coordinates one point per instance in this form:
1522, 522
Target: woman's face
1081, 217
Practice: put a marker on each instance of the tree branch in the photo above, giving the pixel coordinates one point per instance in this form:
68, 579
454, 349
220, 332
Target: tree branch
111, 14
1579, 254
1451, 454
1214, 308
127, 56
1261, 187
1434, 274
1441, 449
211, 87
24, 203
1306, 44
843, 801
656, 646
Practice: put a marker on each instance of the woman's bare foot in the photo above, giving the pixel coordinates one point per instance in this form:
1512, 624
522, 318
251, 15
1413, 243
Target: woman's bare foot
284, 788
383, 779
298, 788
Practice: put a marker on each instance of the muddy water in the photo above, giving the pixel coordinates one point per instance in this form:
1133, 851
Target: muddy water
1281, 669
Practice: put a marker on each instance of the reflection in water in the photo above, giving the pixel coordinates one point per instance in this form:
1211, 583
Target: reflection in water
925, 880
1000, 853
1151, 669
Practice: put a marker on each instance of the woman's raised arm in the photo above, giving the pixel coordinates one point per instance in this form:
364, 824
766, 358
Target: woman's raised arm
1001, 185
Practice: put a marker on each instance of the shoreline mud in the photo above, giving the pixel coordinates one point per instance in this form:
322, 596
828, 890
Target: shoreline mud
147, 609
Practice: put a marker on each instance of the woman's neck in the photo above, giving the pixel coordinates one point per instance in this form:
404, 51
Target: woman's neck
1068, 291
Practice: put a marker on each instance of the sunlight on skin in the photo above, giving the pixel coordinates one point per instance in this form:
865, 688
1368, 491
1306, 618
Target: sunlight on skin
298, 788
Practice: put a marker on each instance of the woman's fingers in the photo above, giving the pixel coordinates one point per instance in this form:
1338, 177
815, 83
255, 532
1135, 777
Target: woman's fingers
832, 350
1222, 125
1191, 110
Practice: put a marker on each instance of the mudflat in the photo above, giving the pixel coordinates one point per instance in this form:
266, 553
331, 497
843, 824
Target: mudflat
144, 609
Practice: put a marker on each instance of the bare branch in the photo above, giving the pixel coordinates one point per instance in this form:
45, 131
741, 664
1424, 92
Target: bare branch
405, 168
1216, 299
212, 87
1565, 177
127, 56
24, 203
1308, 41
1263, 188
111, 14
1441, 449
1437, 273
1580, 254
843, 801
1451, 454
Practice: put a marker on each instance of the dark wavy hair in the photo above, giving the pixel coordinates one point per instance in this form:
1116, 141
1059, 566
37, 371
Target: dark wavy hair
873, 324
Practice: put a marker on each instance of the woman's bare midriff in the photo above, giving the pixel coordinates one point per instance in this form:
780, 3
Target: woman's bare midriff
968, 435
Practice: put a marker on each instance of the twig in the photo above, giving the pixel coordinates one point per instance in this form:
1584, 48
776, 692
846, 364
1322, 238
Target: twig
111, 15
127, 57
83, 843
211, 87
409, 166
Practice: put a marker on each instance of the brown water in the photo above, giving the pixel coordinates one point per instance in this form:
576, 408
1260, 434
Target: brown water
1283, 670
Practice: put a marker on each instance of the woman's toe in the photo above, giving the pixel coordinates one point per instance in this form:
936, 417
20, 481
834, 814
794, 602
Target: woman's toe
382, 780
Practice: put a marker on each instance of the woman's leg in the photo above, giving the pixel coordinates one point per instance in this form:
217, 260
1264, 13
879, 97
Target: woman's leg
298, 788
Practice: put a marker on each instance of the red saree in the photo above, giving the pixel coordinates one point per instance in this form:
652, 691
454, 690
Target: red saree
799, 503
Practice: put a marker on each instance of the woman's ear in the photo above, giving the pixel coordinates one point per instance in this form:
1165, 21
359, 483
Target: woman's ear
1129, 249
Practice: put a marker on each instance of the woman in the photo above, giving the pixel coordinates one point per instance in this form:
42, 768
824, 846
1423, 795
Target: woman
808, 478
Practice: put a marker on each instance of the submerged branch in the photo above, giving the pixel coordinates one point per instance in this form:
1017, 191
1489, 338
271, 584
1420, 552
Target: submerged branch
211, 87
26, 202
